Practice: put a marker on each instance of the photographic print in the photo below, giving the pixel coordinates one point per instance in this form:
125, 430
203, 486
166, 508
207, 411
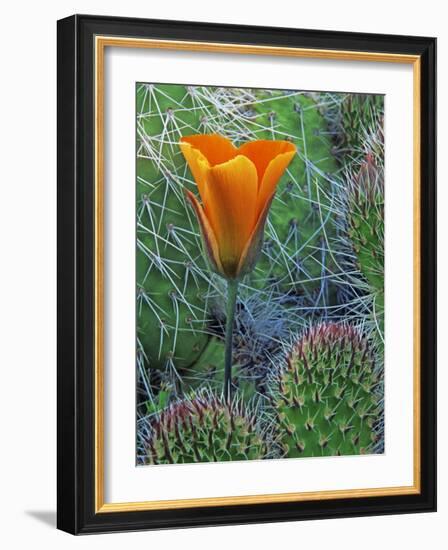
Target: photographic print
259, 274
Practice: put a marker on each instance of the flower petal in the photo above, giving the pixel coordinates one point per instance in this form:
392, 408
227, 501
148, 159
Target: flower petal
232, 203
263, 151
253, 246
215, 148
272, 175
199, 166
208, 236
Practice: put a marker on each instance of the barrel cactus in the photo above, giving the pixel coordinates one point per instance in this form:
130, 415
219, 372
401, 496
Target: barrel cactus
205, 428
326, 396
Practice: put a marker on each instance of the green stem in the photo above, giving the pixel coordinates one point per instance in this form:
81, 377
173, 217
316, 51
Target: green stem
232, 294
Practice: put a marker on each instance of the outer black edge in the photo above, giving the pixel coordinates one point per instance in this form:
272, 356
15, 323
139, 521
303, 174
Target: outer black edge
76, 276
86, 258
67, 494
278, 36
429, 274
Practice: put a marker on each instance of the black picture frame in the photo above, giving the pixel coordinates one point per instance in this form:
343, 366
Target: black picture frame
76, 224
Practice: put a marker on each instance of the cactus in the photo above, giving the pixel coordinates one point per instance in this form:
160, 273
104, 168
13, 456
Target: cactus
360, 114
356, 124
351, 120
204, 428
295, 262
365, 229
361, 231
326, 396
171, 278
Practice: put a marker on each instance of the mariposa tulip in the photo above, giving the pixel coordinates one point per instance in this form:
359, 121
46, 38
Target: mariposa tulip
236, 187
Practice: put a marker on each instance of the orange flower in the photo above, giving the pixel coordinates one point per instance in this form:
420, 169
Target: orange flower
236, 186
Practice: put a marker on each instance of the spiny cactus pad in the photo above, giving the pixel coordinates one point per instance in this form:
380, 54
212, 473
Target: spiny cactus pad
351, 120
366, 221
360, 113
365, 229
325, 397
295, 261
204, 429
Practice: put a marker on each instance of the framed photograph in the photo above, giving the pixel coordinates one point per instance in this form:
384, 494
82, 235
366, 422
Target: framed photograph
246, 274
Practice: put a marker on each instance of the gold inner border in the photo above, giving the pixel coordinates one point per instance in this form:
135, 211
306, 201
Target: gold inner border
101, 42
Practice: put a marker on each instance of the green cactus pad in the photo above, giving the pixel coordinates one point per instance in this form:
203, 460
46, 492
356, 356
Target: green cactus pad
204, 429
324, 397
299, 214
366, 221
365, 229
171, 299
353, 120
360, 113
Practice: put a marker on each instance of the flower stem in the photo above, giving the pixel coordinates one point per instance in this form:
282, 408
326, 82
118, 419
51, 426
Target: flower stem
232, 294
